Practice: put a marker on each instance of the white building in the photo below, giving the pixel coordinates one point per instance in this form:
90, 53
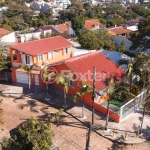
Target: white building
7, 36
32, 36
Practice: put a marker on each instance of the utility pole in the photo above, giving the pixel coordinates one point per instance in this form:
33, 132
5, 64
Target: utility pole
93, 94
88, 134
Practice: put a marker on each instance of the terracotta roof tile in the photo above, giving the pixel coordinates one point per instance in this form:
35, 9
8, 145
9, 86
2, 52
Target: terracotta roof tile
104, 67
120, 30
89, 24
4, 32
44, 45
63, 27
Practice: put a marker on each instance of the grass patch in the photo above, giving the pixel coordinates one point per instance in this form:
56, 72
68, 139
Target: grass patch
116, 103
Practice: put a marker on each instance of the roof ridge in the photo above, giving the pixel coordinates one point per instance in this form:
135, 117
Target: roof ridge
80, 56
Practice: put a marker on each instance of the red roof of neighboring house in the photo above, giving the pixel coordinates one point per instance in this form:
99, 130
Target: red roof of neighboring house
120, 30
89, 24
105, 68
44, 45
63, 27
116, 15
4, 32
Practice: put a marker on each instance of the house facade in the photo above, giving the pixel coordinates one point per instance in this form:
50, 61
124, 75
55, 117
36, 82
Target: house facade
7, 36
82, 68
39, 53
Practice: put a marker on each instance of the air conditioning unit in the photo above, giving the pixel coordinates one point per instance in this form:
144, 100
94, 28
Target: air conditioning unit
20, 52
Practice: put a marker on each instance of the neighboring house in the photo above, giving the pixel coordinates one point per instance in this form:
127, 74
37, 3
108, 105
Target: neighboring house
115, 57
119, 31
82, 68
41, 5
32, 36
63, 29
7, 36
92, 24
66, 28
48, 28
119, 39
39, 52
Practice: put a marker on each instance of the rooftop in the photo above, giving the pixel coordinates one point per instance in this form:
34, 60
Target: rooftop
119, 30
4, 32
44, 45
105, 68
62, 27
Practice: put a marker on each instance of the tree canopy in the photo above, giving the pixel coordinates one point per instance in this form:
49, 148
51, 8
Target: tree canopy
78, 23
31, 135
143, 38
96, 40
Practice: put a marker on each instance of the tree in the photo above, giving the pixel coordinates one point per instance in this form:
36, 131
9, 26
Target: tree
64, 81
1, 113
28, 70
5, 60
122, 47
142, 40
31, 135
77, 23
84, 89
47, 76
96, 40
88, 40
115, 91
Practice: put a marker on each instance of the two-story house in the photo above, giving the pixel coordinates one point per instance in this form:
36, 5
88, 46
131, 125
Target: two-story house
39, 52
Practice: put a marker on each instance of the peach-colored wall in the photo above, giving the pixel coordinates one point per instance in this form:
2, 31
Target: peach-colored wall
18, 60
56, 57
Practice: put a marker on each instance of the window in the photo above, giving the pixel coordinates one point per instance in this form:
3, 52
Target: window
14, 55
50, 55
57, 51
27, 59
71, 83
65, 50
40, 57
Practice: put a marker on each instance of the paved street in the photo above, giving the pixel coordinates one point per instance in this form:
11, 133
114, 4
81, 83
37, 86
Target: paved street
69, 131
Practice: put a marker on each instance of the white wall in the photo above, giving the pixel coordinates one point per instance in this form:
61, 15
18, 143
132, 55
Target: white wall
29, 36
80, 52
71, 31
9, 38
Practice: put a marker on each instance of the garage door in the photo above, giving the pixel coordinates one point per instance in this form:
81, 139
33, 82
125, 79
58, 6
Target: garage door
36, 77
22, 77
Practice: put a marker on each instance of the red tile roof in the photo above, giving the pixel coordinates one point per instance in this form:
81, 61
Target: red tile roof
89, 24
120, 30
63, 27
105, 68
4, 32
44, 45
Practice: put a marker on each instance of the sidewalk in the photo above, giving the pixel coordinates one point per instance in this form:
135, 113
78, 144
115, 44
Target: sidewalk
128, 126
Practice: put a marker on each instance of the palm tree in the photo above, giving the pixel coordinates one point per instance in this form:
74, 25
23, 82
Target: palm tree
28, 70
146, 105
84, 89
129, 72
64, 81
113, 91
47, 77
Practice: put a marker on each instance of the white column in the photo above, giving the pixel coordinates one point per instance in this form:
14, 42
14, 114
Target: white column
23, 59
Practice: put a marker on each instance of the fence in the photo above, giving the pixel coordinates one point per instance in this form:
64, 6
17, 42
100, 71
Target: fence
132, 105
127, 108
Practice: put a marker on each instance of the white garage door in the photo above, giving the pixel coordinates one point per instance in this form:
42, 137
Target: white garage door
22, 77
36, 77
